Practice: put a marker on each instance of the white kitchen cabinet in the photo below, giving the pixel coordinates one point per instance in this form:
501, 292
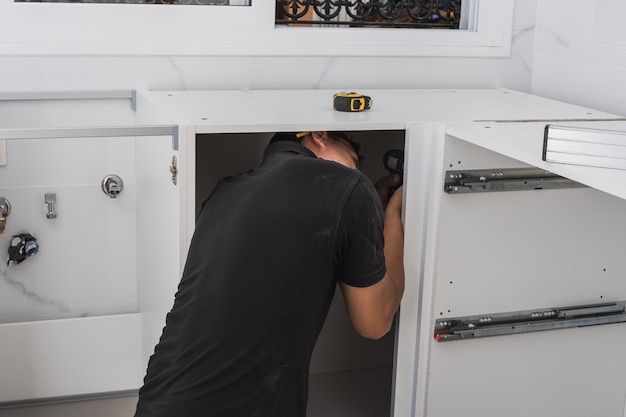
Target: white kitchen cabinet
415, 390
467, 254
502, 252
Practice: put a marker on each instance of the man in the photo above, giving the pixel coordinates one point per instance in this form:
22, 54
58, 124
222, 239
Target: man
269, 248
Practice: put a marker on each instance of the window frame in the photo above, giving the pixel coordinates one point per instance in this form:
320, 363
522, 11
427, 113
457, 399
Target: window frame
97, 29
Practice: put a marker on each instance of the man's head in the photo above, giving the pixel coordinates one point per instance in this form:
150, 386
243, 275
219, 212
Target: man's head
331, 146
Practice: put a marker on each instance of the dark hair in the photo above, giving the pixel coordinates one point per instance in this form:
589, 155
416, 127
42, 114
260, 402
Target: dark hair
335, 135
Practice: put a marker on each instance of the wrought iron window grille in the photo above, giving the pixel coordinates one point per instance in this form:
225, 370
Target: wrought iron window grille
443, 14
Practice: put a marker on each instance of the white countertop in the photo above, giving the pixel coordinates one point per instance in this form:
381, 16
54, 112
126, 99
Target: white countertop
504, 121
294, 110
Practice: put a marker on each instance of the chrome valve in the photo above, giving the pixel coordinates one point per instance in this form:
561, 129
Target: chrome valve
5, 210
112, 185
50, 201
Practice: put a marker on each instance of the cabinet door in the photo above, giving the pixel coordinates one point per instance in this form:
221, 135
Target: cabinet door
423, 156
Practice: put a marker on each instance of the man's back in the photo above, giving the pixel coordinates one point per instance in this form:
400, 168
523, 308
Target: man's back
260, 275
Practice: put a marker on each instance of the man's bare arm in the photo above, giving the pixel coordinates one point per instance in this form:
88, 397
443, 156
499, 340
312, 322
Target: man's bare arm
373, 308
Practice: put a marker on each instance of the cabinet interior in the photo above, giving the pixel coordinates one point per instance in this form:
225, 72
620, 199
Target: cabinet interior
350, 375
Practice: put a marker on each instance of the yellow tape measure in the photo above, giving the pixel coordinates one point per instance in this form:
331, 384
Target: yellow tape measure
351, 102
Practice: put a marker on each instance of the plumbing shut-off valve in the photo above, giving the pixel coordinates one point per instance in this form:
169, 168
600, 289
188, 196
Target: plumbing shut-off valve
112, 185
5, 210
50, 201
22, 247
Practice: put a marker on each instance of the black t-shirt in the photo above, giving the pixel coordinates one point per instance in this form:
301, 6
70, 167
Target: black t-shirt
268, 249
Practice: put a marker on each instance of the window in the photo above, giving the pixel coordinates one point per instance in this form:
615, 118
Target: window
425, 14
176, 30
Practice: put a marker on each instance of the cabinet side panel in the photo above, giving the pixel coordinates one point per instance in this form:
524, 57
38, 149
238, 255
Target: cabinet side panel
523, 250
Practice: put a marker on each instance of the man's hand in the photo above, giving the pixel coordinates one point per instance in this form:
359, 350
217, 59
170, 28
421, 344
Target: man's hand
385, 187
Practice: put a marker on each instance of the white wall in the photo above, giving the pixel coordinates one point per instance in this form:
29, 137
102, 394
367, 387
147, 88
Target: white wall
571, 50
50, 73
580, 53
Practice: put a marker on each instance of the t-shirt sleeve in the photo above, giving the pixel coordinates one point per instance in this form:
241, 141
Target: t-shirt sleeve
360, 256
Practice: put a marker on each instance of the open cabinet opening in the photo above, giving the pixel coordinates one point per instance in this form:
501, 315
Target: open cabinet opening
349, 375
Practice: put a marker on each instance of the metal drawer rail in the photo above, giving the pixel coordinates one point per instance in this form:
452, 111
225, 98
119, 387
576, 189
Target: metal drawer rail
507, 179
486, 325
